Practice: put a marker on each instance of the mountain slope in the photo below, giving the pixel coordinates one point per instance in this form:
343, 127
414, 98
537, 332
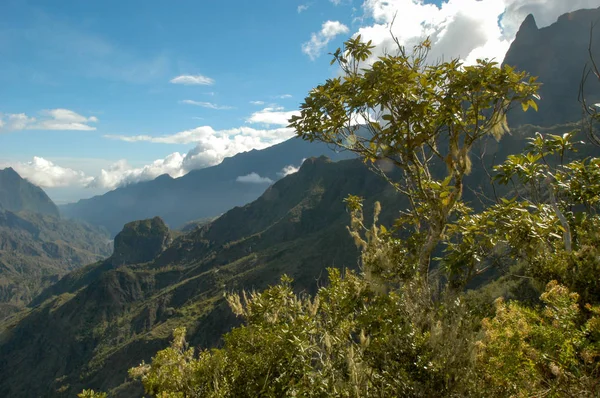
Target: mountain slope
99, 320
199, 194
37, 249
36, 246
18, 194
556, 54
106, 317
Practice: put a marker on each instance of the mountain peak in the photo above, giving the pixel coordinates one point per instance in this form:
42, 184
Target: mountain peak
313, 162
18, 194
555, 54
528, 25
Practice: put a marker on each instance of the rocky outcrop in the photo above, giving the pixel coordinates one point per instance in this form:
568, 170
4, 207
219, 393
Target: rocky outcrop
141, 241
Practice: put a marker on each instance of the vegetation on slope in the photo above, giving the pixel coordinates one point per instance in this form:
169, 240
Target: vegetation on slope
37, 249
104, 318
408, 325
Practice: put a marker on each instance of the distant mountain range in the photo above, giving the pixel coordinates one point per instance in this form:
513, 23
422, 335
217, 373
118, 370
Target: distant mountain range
88, 328
103, 318
199, 194
557, 55
92, 325
36, 246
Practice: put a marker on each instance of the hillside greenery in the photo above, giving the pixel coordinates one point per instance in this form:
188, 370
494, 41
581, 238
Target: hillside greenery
451, 299
36, 250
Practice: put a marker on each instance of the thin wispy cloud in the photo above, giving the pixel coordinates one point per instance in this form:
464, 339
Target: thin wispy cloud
283, 96
207, 133
257, 102
204, 104
302, 7
49, 119
193, 80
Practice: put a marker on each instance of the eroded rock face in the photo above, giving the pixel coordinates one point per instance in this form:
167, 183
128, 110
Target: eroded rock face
141, 241
556, 54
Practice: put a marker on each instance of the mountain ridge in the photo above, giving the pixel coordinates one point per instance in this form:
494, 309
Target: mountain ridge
201, 193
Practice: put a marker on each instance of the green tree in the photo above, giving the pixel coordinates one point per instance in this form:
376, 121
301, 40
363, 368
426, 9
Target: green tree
403, 112
394, 330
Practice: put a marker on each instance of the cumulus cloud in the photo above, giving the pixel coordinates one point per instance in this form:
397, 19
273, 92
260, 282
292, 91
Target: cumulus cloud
50, 119
65, 119
272, 115
211, 148
465, 29
318, 41
121, 173
46, 174
254, 178
193, 80
208, 105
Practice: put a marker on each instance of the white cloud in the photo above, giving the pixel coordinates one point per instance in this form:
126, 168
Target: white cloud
284, 96
302, 8
254, 178
208, 105
257, 102
465, 29
545, 12
51, 119
318, 41
193, 80
46, 174
205, 134
211, 148
17, 121
121, 173
268, 116
287, 170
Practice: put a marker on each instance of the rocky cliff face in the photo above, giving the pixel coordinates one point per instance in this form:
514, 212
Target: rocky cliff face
141, 241
557, 54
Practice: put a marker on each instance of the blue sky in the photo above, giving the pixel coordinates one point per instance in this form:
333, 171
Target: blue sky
99, 93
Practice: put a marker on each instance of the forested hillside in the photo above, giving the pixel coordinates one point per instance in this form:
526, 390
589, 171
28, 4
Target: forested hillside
457, 255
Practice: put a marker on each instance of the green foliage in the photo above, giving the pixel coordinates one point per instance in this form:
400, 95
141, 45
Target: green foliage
91, 394
401, 327
553, 351
413, 116
348, 341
